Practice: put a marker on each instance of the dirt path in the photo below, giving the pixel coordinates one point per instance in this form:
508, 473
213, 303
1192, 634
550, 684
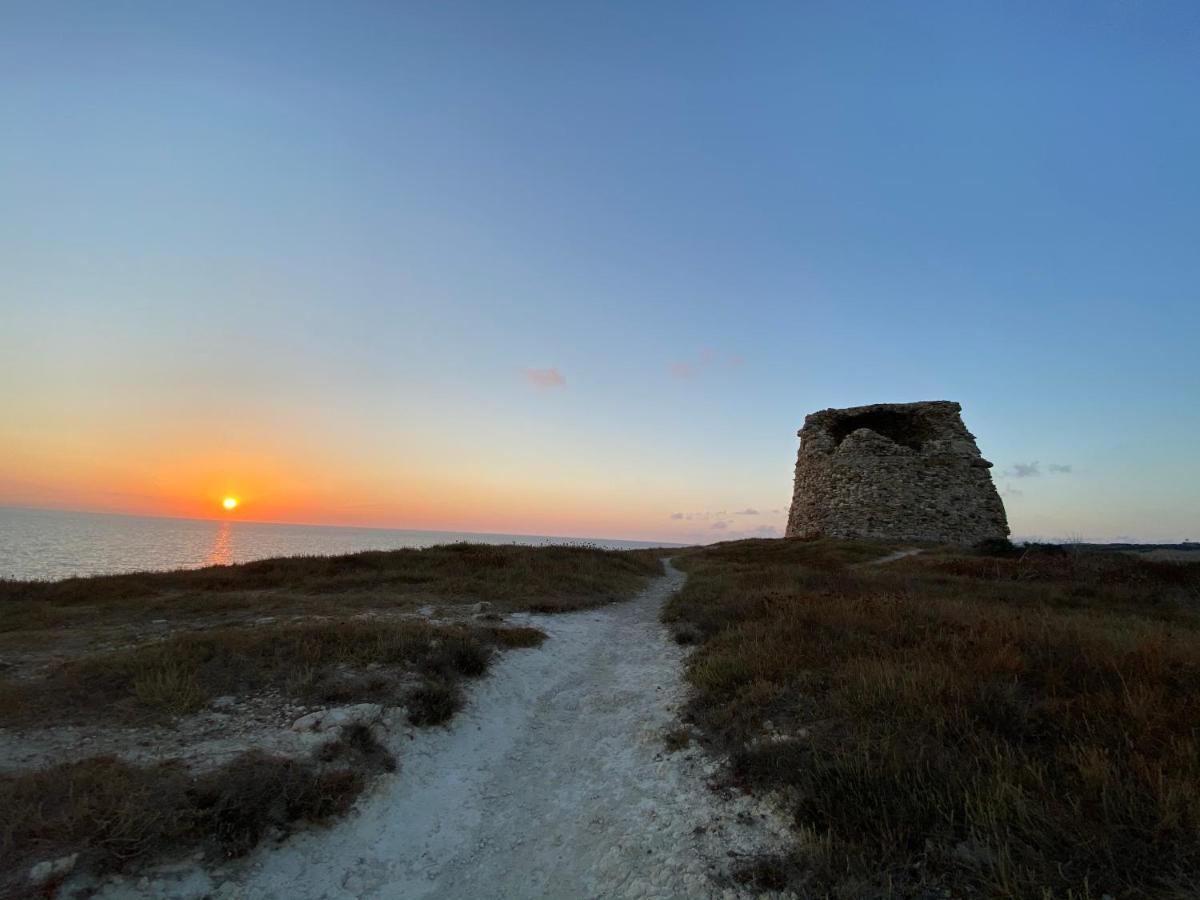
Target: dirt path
554, 782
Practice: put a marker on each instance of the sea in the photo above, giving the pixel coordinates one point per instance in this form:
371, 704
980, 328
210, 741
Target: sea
52, 544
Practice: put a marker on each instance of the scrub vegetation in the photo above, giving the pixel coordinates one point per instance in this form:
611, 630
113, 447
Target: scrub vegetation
510, 577
314, 662
1023, 726
398, 628
116, 815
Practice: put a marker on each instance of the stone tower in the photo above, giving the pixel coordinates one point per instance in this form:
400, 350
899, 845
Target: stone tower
894, 471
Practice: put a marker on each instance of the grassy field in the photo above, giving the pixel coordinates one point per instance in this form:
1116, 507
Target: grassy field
144, 649
993, 727
512, 578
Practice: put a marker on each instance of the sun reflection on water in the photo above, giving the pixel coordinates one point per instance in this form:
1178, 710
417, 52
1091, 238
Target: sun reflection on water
221, 552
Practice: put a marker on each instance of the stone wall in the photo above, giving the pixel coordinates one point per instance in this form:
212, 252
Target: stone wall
894, 471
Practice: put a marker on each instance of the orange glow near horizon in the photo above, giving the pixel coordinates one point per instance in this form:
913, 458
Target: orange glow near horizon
176, 473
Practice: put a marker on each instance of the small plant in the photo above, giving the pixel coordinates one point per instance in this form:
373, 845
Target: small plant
358, 747
1001, 547
677, 739
433, 703
685, 634
169, 687
765, 873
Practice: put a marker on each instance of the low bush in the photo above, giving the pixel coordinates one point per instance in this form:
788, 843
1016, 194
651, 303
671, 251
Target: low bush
117, 815
433, 703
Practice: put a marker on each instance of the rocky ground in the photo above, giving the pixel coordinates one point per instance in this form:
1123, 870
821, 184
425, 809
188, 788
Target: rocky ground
555, 781
266, 720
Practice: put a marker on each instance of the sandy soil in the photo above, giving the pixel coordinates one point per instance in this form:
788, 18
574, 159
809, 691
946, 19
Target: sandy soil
554, 782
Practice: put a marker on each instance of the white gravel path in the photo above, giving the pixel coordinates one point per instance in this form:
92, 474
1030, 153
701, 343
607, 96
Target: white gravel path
552, 783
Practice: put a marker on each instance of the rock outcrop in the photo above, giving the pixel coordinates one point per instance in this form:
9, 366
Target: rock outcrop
894, 471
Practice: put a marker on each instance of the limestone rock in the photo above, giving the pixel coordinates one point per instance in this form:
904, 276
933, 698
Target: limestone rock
894, 471
329, 719
52, 868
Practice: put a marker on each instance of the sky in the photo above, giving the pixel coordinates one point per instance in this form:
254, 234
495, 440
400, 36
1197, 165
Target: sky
583, 268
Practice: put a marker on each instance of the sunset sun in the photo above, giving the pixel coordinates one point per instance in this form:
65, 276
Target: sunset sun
230, 503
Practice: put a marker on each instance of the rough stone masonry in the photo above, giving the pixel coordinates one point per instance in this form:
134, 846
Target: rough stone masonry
894, 471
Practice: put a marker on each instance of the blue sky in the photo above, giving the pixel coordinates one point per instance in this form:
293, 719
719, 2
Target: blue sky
340, 241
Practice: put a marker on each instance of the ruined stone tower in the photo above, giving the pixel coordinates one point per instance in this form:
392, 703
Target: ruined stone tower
894, 471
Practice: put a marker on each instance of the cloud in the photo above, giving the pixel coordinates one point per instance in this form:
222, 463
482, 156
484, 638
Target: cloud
719, 525
1034, 469
710, 516
545, 378
1012, 492
705, 359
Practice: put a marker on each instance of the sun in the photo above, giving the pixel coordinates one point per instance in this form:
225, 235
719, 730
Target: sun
230, 502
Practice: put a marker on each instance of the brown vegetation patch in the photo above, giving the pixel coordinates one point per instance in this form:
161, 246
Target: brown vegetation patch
117, 815
314, 661
511, 577
950, 723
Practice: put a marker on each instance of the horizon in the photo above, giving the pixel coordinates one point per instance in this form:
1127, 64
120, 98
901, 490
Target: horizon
230, 520
533, 270
1018, 539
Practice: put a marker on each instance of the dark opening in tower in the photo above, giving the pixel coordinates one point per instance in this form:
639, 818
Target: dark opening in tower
905, 428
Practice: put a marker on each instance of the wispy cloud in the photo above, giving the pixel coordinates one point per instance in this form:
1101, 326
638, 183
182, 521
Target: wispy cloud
705, 359
545, 378
1034, 469
711, 516
699, 516
720, 526
1012, 492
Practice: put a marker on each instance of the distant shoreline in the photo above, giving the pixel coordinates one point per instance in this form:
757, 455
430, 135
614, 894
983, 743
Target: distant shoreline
41, 544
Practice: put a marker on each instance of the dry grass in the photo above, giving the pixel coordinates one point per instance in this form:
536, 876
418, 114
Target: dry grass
53, 628
187, 637
315, 662
992, 727
117, 815
511, 577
